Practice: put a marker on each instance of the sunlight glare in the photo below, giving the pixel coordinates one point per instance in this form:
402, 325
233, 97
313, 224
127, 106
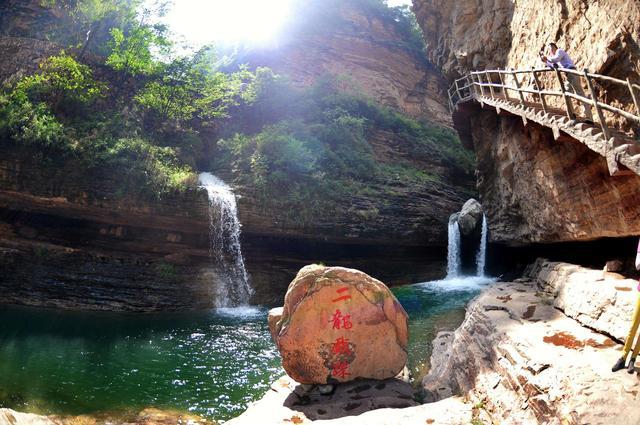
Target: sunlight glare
228, 21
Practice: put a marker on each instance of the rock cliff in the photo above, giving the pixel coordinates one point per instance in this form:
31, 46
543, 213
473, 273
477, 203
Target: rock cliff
536, 189
393, 212
367, 51
20, 49
72, 242
480, 34
70, 239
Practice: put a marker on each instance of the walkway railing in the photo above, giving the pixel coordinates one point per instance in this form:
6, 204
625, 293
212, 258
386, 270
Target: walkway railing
513, 85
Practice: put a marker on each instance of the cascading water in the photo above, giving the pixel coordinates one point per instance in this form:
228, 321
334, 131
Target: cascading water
232, 286
453, 250
482, 250
454, 254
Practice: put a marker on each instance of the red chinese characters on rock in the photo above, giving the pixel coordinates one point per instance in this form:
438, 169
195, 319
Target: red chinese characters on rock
342, 297
340, 320
341, 346
340, 369
341, 349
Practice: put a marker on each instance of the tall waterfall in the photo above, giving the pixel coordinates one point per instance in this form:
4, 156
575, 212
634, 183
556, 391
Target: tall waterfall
453, 249
232, 286
481, 257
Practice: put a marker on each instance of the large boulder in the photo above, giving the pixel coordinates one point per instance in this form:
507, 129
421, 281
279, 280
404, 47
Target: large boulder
337, 325
470, 218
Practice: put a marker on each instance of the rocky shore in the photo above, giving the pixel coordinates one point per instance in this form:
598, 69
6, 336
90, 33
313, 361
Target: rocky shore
537, 350
148, 416
540, 350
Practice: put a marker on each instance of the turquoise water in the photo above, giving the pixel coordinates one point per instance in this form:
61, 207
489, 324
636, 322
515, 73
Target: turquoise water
433, 307
211, 364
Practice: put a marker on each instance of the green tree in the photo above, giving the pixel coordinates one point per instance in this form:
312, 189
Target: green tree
61, 81
24, 121
30, 111
94, 17
190, 88
132, 52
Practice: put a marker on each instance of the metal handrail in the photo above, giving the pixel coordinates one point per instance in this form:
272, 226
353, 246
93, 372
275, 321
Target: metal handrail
472, 86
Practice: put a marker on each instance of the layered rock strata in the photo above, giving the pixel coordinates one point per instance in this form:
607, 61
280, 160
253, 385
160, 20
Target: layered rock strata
602, 301
537, 189
72, 243
396, 212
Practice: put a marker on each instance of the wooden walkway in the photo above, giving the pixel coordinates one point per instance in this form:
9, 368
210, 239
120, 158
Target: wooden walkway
524, 93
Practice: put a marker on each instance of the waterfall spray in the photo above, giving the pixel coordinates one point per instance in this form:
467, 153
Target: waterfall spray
453, 249
481, 257
232, 286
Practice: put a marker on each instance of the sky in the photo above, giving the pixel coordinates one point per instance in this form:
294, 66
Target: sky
256, 21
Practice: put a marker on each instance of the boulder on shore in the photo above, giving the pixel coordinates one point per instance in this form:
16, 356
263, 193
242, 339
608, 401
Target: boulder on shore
337, 325
470, 218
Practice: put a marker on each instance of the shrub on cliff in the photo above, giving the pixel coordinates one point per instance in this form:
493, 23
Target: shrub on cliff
26, 122
47, 112
32, 110
309, 150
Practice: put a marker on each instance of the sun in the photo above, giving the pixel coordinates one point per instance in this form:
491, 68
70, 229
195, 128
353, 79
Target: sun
202, 22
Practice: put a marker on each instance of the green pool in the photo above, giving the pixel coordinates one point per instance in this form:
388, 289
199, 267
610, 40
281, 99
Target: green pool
211, 364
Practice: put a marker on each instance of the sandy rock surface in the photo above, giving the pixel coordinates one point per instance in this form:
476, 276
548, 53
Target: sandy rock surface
524, 361
601, 301
148, 416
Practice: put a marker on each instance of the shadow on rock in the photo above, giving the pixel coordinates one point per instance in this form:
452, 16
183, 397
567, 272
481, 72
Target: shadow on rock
350, 399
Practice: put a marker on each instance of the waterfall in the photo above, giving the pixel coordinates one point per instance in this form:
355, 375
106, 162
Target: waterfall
453, 250
482, 250
232, 286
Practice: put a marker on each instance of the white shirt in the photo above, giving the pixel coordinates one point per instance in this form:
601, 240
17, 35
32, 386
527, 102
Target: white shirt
561, 58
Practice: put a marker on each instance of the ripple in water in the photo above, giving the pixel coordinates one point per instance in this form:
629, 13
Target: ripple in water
212, 363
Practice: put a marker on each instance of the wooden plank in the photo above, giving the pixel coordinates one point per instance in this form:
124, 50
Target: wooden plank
633, 96
505, 91
542, 101
594, 98
480, 81
567, 102
486, 73
515, 79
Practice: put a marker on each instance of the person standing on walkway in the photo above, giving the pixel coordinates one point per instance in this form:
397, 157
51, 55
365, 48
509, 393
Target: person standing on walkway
560, 59
620, 364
